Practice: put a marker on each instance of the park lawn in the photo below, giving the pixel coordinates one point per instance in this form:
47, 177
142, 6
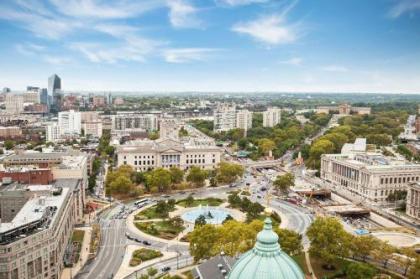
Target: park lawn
164, 229
78, 236
143, 255
149, 213
202, 202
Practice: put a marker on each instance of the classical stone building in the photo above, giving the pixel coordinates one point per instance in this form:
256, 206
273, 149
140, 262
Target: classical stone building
413, 200
143, 155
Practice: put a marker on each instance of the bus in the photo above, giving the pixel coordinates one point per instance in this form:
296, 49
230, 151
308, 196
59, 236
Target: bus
141, 202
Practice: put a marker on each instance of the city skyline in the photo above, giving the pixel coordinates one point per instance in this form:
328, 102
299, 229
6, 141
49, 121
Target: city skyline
220, 45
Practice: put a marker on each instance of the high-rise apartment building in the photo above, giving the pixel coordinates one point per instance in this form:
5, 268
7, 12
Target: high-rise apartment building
53, 132
14, 103
271, 117
224, 117
43, 96
244, 119
54, 87
69, 122
127, 121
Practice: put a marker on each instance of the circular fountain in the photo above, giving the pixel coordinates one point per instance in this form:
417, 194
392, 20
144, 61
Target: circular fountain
213, 215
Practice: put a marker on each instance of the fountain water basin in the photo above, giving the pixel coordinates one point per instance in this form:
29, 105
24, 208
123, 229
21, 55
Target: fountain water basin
213, 215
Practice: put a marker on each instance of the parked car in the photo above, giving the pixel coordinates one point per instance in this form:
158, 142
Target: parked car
145, 242
166, 269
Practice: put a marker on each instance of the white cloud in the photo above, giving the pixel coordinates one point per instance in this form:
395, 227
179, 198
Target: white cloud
270, 29
184, 55
234, 3
404, 6
57, 60
335, 68
114, 9
29, 48
182, 14
295, 61
133, 48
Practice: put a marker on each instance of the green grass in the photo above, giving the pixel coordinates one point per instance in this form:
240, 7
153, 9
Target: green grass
143, 255
164, 229
149, 213
245, 193
78, 236
203, 202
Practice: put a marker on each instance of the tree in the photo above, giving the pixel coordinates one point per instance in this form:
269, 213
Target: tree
284, 182
158, 180
360, 271
162, 208
9, 144
153, 135
152, 271
407, 259
121, 184
197, 176
266, 145
362, 246
383, 252
202, 242
290, 241
177, 175
329, 241
200, 221
189, 201
229, 172
414, 272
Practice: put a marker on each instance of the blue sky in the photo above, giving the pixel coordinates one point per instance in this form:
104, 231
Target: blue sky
212, 45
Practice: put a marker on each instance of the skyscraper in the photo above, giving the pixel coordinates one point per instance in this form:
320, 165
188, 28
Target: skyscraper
54, 85
43, 96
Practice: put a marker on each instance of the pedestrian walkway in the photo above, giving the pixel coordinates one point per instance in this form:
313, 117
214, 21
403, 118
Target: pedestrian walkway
69, 273
309, 266
126, 269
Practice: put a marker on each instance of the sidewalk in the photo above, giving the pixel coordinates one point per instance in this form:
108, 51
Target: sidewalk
69, 273
125, 268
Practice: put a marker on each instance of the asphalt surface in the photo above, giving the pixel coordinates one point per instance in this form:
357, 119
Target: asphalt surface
111, 250
114, 231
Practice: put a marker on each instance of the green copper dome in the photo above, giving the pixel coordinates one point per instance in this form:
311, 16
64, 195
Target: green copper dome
266, 260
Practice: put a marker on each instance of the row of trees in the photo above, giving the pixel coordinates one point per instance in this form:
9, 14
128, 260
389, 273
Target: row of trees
124, 179
234, 237
252, 209
378, 129
330, 242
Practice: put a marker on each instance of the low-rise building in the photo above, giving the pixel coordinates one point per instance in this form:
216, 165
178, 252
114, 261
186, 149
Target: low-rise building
26, 175
368, 176
413, 200
343, 109
63, 165
10, 132
92, 128
143, 155
36, 227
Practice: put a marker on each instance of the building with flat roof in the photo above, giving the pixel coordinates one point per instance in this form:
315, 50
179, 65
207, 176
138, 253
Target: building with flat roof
243, 119
140, 121
36, 228
343, 109
224, 117
14, 103
413, 200
70, 122
368, 176
143, 155
63, 165
271, 117
10, 132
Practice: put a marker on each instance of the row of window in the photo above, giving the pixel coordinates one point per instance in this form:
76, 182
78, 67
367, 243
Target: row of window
394, 180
